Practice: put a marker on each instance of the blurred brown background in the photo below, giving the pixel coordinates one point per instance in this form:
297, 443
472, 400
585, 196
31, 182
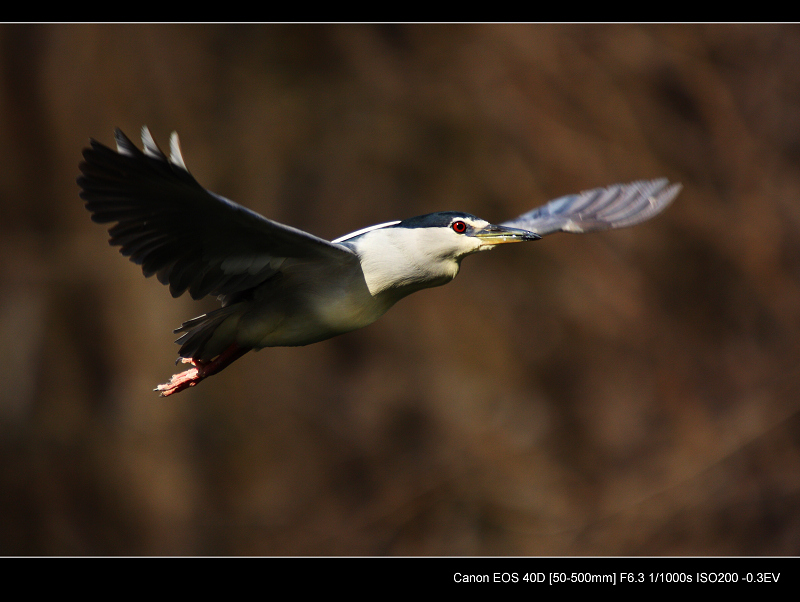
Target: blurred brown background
630, 392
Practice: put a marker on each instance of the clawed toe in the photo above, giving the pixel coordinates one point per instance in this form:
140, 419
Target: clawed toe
179, 382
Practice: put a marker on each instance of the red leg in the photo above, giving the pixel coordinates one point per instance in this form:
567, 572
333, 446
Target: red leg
202, 369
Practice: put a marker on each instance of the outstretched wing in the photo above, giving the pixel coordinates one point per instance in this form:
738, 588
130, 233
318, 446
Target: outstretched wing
617, 206
192, 239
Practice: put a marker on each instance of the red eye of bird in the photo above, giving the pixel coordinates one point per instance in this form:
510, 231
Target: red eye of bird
459, 227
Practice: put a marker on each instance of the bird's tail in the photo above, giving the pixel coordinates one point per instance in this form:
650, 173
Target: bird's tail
208, 344
206, 336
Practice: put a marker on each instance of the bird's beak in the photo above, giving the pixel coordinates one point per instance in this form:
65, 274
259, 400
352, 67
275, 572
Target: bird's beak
497, 235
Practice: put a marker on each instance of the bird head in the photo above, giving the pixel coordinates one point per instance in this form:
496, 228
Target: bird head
426, 250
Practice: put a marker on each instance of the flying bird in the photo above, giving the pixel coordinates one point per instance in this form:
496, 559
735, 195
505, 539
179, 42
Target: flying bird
280, 286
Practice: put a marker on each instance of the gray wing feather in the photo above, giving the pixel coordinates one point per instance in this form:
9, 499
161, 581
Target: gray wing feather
192, 239
617, 206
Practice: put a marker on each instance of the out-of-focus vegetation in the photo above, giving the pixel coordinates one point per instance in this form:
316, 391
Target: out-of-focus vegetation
629, 392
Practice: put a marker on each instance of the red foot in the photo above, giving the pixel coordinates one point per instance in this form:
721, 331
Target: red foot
182, 381
201, 370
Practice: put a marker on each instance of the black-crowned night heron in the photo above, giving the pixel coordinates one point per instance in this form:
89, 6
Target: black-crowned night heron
280, 286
